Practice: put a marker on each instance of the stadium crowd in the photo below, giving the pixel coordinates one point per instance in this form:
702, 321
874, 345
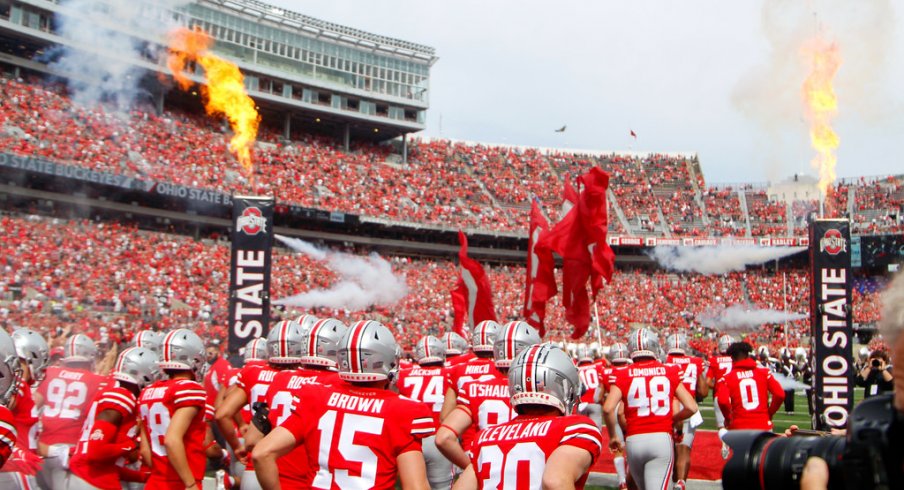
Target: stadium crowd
78, 275
444, 183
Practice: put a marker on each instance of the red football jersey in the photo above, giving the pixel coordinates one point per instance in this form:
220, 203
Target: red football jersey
26, 415
7, 434
460, 358
590, 376
488, 402
427, 385
254, 380
157, 405
648, 388
353, 436
514, 454
743, 396
105, 474
281, 397
216, 378
608, 376
689, 368
67, 394
477, 369
719, 366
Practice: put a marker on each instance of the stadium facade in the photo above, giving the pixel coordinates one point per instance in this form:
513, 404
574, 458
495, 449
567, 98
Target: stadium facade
351, 83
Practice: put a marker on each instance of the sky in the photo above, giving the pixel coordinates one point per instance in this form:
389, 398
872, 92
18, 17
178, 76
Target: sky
717, 78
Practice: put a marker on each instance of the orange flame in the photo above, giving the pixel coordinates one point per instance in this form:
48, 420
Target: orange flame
821, 107
224, 93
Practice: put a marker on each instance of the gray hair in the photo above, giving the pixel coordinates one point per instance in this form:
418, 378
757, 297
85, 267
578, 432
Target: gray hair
892, 322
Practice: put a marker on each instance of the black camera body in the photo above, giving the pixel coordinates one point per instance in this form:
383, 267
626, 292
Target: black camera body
869, 457
876, 363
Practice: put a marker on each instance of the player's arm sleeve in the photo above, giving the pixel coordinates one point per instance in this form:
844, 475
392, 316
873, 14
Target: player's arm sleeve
189, 394
778, 393
584, 435
7, 440
723, 397
422, 426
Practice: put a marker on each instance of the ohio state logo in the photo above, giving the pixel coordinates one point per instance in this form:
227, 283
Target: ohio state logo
832, 242
251, 222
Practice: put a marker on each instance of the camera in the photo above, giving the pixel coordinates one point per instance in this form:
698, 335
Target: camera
875, 363
870, 456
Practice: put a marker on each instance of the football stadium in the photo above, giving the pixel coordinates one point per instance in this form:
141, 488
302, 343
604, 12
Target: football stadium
189, 190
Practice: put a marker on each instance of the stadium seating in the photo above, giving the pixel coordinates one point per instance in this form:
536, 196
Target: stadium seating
80, 275
472, 186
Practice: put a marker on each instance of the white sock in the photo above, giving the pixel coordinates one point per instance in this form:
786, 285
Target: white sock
619, 462
722, 433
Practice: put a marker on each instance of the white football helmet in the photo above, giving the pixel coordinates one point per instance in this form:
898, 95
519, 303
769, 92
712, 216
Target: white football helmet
583, 353
285, 342
676, 343
484, 335
368, 352
618, 354
724, 342
182, 350
149, 339
455, 344
79, 348
643, 342
137, 365
256, 350
10, 368
429, 350
306, 322
33, 349
513, 338
544, 374
321, 342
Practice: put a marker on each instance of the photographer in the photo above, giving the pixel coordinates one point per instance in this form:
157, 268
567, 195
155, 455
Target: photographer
876, 376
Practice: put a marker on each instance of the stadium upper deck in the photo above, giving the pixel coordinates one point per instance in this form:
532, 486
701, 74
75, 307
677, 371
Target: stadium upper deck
299, 69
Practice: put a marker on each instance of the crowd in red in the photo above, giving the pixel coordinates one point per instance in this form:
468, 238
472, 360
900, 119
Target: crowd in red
82, 275
444, 183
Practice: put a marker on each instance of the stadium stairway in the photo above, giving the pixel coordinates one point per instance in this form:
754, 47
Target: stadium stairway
742, 198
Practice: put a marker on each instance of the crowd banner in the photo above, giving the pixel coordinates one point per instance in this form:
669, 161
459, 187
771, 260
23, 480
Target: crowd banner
832, 395
249, 270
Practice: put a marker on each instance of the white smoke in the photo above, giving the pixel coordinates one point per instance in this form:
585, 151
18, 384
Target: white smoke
744, 317
718, 259
363, 281
99, 63
789, 383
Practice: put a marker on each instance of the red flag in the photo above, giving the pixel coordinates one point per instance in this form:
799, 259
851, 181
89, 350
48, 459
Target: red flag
580, 239
472, 299
569, 199
540, 273
633, 134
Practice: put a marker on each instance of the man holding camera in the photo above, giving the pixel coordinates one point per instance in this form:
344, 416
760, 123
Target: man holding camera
876, 377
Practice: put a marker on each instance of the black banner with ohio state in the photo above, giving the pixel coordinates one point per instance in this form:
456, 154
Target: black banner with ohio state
249, 270
830, 319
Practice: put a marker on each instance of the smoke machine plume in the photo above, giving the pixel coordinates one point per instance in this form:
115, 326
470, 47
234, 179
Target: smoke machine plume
718, 260
223, 92
363, 281
741, 317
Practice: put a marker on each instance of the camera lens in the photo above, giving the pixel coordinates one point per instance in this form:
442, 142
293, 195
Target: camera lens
875, 363
763, 460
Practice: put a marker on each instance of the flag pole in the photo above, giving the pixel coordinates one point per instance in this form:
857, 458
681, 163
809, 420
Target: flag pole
596, 313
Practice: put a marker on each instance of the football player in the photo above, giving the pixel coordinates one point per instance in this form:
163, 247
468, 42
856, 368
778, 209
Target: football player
358, 433
110, 431
690, 369
590, 373
456, 349
173, 426
308, 357
67, 392
719, 366
544, 445
479, 368
743, 393
486, 402
426, 383
649, 389
252, 383
34, 356
618, 359
10, 374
